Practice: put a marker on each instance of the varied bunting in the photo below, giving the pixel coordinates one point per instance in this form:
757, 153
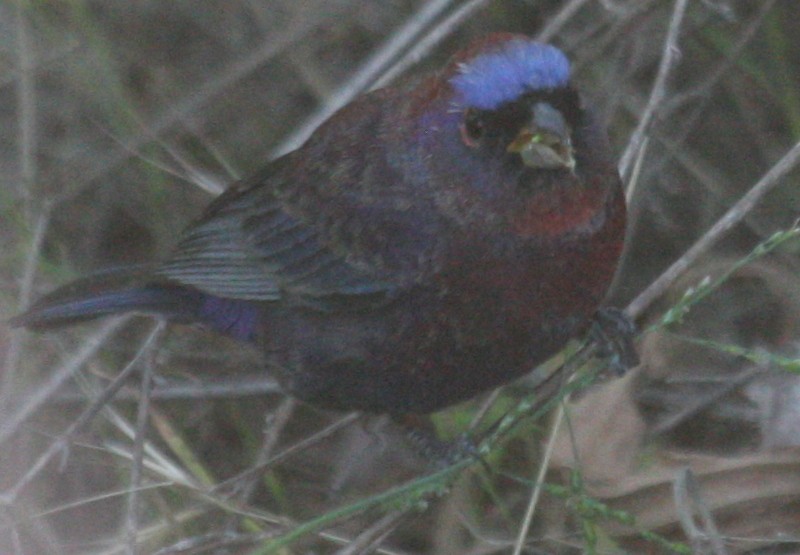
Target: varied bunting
429, 242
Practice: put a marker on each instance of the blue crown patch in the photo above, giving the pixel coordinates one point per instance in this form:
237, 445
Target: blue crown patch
518, 67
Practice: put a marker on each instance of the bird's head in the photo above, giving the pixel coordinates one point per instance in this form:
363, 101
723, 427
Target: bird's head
513, 95
506, 142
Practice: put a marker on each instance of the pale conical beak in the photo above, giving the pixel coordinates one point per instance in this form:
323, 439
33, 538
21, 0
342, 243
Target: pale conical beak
545, 142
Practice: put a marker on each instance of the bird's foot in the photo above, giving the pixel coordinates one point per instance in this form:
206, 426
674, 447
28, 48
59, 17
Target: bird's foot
437, 453
613, 332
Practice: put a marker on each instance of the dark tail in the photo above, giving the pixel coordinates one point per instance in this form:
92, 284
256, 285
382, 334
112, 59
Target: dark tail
132, 289
111, 292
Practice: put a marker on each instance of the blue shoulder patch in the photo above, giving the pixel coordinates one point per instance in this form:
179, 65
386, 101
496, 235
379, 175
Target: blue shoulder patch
516, 68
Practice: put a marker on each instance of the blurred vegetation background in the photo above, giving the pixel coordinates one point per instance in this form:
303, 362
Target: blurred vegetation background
119, 122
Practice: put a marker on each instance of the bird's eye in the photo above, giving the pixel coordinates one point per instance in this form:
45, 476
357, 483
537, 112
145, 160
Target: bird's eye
472, 128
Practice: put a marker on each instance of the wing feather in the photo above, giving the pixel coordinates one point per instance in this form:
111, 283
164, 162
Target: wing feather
248, 246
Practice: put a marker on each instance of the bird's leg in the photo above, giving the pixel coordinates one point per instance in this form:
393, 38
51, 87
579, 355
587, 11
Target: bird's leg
438, 453
613, 332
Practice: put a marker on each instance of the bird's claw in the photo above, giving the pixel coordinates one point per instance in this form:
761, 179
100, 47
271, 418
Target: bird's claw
613, 333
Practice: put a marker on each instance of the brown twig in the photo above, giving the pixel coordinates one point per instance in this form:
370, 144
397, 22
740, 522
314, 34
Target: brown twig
736, 213
371, 538
657, 95
299, 446
686, 492
148, 369
40, 393
66, 437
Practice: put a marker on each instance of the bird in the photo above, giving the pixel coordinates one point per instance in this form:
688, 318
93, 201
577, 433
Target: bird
432, 240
